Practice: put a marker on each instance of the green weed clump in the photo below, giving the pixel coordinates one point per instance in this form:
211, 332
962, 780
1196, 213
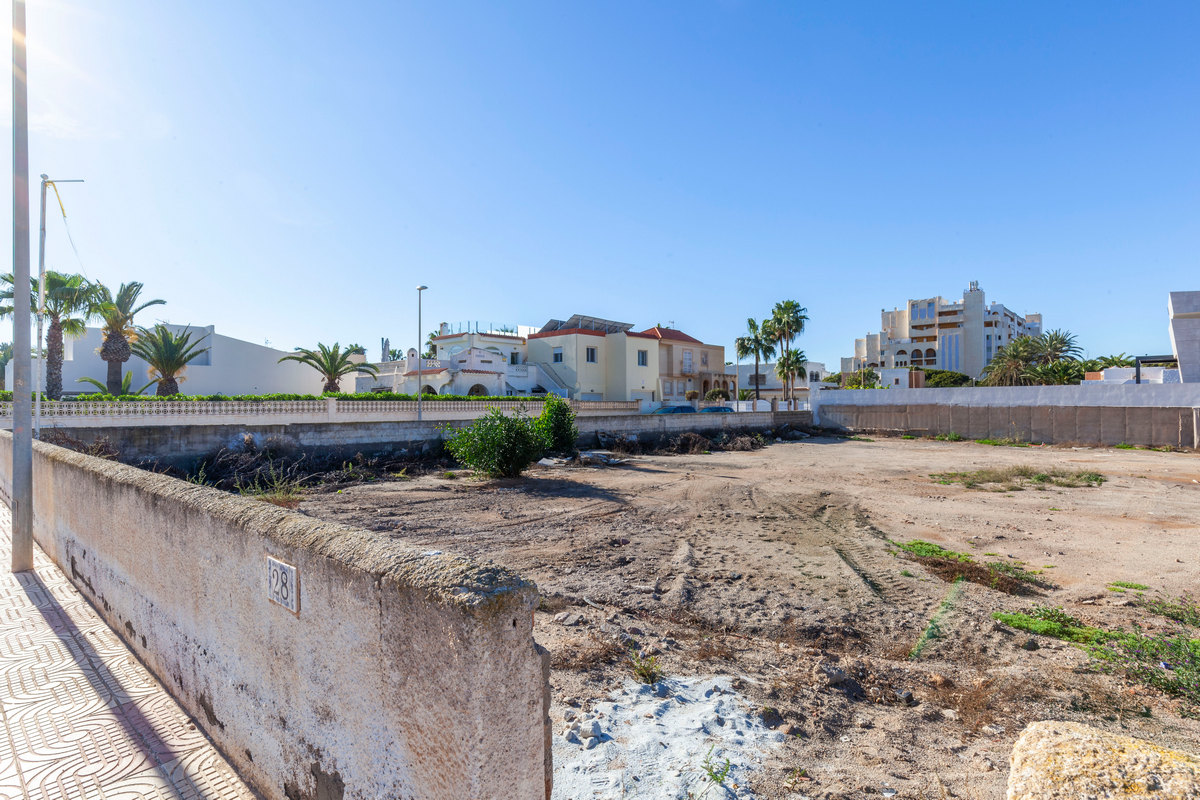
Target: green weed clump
1184, 609
1168, 661
1015, 478
949, 437
1005, 442
645, 669
1052, 622
923, 549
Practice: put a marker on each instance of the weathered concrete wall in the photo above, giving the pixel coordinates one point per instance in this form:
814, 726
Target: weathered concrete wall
1094, 394
404, 674
1139, 425
183, 444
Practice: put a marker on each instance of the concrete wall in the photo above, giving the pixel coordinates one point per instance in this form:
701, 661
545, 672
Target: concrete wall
182, 444
1138, 425
404, 674
1115, 395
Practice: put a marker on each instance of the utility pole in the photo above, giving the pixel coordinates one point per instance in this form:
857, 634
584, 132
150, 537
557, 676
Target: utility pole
22, 436
41, 306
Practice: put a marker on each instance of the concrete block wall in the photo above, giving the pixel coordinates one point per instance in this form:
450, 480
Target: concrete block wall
1137, 425
403, 674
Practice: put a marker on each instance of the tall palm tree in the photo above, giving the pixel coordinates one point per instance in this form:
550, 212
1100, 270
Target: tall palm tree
1057, 345
787, 320
168, 355
1119, 360
117, 313
70, 303
1056, 373
757, 342
791, 364
1011, 362
332, 362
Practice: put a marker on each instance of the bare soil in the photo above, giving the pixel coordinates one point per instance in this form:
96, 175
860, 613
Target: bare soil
777, 567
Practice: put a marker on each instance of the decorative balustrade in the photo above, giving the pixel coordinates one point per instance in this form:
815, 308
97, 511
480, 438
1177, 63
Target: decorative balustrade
279, 411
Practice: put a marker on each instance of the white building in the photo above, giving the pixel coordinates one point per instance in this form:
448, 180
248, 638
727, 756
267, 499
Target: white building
231, 366
935, 333
1183, 308
768, 382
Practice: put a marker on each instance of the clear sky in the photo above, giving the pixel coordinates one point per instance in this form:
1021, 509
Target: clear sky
290, 171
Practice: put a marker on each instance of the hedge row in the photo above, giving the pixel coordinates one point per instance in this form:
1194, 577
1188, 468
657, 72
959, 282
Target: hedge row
259, 398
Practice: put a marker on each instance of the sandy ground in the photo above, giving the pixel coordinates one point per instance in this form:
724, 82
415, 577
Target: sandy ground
774, 569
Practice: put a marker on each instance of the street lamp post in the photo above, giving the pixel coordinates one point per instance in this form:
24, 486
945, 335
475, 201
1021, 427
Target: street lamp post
22, 436
420, 357
40, 384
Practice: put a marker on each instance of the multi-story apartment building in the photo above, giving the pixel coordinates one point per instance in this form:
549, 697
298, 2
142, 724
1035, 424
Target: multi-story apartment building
687, 364
935, 333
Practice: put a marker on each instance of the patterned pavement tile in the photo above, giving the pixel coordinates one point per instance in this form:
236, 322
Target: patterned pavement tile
81, 718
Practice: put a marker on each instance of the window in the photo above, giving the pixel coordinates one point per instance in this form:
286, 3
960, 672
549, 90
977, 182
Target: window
643, 358
704, 358
687, 362
591, 355
514, 358
557, 356
668, 388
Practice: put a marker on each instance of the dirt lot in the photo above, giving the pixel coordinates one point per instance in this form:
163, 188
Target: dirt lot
777, 567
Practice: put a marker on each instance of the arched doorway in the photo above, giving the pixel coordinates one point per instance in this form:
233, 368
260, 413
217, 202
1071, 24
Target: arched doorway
427, 389
478, 390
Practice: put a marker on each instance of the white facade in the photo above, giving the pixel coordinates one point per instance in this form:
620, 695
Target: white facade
768, 382
935, 333
231, 366
1183, 308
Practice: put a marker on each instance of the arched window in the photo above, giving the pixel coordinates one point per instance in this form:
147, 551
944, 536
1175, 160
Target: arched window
478, 390
427, 389
930, 356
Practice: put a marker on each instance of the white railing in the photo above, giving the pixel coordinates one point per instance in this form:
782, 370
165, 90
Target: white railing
200, 412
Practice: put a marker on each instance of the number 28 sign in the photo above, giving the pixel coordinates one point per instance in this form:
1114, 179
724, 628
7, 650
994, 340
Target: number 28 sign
283, 585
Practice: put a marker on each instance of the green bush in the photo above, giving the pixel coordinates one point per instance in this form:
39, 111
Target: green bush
717, 394
945, 379
556, 425
496, 445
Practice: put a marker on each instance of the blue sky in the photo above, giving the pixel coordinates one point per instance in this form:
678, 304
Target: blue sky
289, 171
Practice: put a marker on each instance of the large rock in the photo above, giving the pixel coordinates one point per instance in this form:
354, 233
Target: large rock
1070, 761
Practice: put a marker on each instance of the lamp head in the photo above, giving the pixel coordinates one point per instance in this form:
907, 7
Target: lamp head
422, 288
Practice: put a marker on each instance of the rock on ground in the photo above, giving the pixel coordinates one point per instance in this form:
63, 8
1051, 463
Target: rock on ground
1069, 761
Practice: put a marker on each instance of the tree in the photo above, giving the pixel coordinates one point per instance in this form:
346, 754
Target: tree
123, 388
790, 364
117, 313
865, 378
945, 379
71, 301
332, 362
1056, 373
787, 322
168, 355
6, 354
1057, 345
758, 343
1010, 365
1119, 360
356, 350
430, 346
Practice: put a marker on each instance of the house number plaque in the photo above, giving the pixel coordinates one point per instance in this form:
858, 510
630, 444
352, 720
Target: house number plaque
283, 585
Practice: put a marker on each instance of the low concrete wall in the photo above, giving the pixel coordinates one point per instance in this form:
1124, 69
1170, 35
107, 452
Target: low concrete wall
1112, 395
1137, 425
403, 674
182, 444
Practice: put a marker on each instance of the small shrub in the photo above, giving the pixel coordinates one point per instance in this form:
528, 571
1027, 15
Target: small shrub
717, 394
645, 669
691, 394
908, 436
496, 445
556, 425
949, 437
919, 547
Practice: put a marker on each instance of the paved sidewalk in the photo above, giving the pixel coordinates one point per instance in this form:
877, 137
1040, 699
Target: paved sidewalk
81, 718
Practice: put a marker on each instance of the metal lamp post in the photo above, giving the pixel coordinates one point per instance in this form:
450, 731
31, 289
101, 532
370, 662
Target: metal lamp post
22, 436
40, 384
420, 357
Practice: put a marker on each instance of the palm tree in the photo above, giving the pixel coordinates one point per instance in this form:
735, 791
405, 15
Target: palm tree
1012, 361
1119, 360
125, 387
787, 320
757, 343
117, 313
1057, 345
168, 355
70, 303
791, 364
1056, 373
6, 354
331, 362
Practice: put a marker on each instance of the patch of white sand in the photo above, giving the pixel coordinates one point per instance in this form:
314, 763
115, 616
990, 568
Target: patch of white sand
654, 741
